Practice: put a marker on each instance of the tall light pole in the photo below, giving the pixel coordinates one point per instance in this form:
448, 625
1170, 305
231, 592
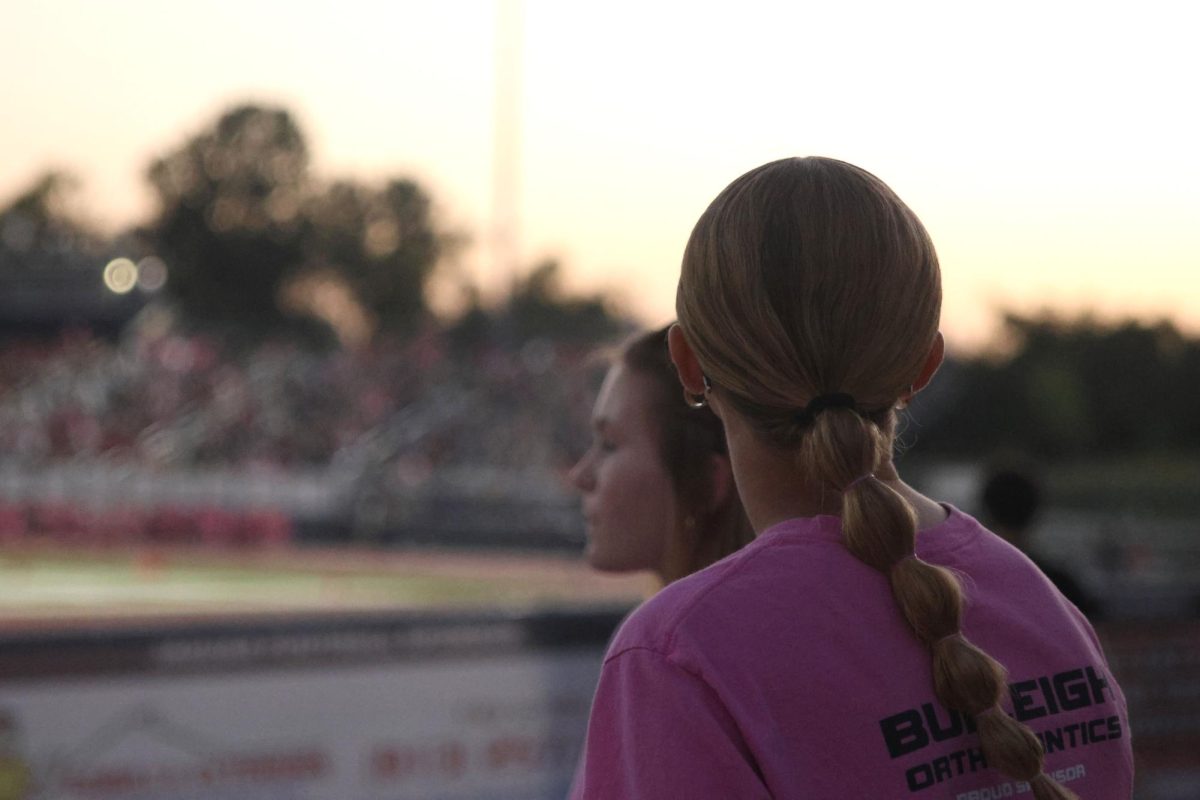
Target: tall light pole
505, 244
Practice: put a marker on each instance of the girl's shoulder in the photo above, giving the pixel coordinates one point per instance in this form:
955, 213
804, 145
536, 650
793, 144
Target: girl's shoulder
702, 603
655, 624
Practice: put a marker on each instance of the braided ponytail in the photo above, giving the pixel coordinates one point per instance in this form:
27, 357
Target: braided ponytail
810, 274
839, 449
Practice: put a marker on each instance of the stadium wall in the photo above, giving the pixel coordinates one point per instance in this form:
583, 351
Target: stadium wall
363, 707
400, 706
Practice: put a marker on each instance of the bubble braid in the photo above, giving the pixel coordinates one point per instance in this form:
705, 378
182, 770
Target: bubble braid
807, 278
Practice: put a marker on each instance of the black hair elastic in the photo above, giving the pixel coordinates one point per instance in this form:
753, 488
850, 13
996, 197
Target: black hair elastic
824, 401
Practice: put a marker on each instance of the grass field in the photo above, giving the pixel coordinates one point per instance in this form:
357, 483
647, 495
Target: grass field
41, 587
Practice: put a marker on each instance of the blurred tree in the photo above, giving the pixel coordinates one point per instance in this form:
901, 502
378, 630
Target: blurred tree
1077, 388
537, 307
476, 324
382, 243
245, 231
229, 224
52, 265
40, 228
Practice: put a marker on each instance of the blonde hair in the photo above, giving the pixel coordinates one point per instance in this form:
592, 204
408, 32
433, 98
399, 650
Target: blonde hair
809, 277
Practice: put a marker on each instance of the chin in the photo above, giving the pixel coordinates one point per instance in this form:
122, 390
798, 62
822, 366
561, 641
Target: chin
604, 562
613, 566
597, 561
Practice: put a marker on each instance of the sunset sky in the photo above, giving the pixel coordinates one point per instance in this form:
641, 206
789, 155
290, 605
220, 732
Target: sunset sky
1050, 148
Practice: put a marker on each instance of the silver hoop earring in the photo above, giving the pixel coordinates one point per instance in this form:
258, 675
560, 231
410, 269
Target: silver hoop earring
694, 400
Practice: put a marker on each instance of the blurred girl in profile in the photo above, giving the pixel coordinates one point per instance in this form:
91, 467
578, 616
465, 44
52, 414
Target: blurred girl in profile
870, 642
657, 485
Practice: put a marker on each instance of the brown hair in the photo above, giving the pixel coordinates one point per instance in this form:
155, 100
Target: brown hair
688, 438
809, 277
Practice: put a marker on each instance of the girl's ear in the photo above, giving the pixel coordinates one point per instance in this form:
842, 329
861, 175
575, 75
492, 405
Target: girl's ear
690, 374
937, 353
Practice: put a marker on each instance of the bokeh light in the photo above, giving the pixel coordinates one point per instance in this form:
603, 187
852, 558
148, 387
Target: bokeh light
120, 276
151, 274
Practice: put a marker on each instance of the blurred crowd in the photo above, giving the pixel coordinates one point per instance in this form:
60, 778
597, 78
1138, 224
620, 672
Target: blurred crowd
187, 401
394, 416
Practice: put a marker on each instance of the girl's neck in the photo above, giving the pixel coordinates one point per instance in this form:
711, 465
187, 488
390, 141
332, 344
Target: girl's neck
773, 489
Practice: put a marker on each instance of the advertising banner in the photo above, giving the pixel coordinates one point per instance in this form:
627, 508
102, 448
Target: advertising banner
398, 707
348, 708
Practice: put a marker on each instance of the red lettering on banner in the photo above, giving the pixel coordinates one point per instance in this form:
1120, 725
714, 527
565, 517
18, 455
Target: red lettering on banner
239, 769
510, 751
421, 760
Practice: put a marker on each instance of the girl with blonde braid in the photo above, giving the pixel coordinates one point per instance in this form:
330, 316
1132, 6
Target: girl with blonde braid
870, 642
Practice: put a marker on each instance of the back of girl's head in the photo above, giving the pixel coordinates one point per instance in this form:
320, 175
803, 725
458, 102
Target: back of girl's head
805, 277
688, 440
809, 278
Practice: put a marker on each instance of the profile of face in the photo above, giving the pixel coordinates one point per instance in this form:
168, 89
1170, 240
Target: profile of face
629, 500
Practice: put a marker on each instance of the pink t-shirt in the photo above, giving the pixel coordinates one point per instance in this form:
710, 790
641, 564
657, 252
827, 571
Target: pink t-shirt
786, 671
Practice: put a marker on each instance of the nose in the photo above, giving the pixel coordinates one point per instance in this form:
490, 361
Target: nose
580, 475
